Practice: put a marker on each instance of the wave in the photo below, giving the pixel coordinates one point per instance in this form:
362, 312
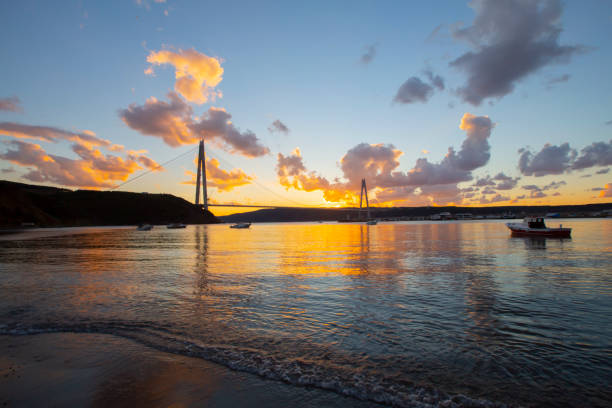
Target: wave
296, 371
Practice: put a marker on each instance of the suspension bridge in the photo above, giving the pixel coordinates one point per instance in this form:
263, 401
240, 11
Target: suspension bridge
201, 187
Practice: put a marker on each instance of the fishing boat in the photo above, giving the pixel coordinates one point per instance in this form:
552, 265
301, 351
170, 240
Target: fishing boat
241, 225
144, 227
175, 225
535, 227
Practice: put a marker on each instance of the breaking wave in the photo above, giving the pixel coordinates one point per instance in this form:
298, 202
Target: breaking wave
327, 375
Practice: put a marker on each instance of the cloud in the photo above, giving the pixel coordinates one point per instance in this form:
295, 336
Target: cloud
278, 126
485, 181
554, 159
441, 194
52, 134
607, 192
375, 162
225, 180
488, 190
603, 171
149, 163
369, 54
167, 120
435, 80
92, 170
196, 74
609, 122
596, 154
475, 148
550, 160
554, 185
7, 170
215, 125
558, 80
378, 164
11, 104
292, 173
413, 90
538, 192
173, 122
505, 182
426, 182
220, 179
496, 199
435, 33
511, 39
534, 191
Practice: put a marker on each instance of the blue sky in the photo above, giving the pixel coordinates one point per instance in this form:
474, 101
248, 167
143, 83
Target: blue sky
75, 65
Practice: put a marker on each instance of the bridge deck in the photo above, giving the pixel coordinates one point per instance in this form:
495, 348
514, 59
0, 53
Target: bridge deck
284, 207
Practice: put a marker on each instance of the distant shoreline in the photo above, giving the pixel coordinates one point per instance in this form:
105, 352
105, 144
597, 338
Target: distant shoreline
421, 213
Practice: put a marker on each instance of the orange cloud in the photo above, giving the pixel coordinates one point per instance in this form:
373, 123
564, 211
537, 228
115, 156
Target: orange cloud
92, 170
427, 182
53, 134
607, 191
220, 179
292, 173
196, 74
225, 180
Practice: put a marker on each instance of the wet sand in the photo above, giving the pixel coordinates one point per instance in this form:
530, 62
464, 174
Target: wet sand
66, 369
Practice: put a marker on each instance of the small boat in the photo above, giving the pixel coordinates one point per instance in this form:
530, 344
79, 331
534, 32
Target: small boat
144, 227
175, 225
372, 222
535, 227
241, 225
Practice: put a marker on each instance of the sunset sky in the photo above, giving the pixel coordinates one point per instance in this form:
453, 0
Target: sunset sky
452, 102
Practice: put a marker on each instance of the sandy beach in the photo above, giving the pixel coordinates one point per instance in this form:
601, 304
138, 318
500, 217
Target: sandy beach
66, 369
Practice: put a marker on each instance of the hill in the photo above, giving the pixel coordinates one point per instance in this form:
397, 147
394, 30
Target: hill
50, 206
331, 214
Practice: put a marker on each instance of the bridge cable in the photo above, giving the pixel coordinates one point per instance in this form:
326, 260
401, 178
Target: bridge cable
227, 163
151, 170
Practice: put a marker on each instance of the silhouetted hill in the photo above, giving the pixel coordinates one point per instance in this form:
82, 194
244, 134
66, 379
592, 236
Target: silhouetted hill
330, 214
50, 206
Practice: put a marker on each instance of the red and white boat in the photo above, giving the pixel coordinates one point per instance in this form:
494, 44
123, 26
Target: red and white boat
535, 227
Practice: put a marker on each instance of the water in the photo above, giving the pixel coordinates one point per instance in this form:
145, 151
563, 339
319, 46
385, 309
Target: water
409, 314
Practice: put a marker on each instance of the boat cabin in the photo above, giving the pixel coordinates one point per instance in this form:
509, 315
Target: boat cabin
535, 222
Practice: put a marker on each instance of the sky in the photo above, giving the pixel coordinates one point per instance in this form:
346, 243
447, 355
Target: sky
462, 103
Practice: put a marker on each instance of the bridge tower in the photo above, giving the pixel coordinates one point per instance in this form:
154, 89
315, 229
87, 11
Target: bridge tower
201, 176
364, 191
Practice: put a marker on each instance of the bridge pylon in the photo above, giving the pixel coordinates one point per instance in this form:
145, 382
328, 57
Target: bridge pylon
364, 191
201, 176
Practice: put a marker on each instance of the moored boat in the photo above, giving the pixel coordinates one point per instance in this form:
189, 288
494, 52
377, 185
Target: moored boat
144, 227
535, 227
241, 225
175, 225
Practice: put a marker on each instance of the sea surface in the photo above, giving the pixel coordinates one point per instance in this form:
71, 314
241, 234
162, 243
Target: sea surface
405, 313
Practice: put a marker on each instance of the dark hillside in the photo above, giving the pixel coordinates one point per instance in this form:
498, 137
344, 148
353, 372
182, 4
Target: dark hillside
49, 206
326, 214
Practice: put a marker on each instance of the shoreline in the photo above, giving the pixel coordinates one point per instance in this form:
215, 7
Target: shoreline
85, 369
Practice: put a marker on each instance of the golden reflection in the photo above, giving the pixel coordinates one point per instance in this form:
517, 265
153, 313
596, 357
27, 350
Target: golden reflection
202, 285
